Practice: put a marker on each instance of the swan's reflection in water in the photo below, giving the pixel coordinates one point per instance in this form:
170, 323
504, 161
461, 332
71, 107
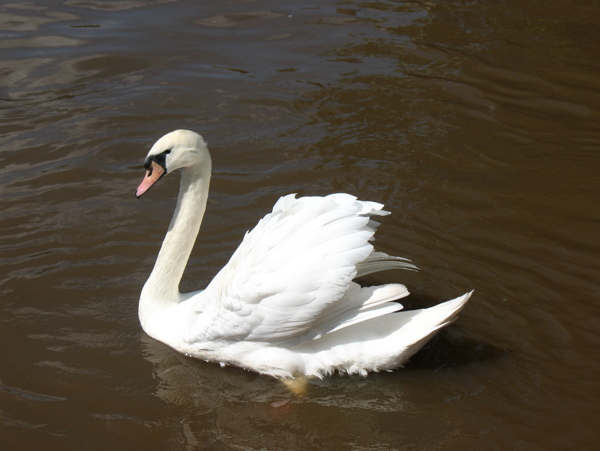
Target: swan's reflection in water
212, 406
229, 408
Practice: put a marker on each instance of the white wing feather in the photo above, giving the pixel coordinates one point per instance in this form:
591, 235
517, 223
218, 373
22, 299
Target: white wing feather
284, 281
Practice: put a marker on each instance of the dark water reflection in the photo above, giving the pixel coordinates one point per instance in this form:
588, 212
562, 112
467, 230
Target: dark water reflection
476, 123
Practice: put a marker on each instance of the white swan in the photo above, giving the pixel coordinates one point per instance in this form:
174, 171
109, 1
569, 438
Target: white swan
285, 305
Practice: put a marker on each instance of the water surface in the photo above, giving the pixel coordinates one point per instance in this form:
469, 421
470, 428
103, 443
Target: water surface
476, 123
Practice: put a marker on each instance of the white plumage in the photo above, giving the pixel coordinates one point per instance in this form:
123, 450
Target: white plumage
285, 304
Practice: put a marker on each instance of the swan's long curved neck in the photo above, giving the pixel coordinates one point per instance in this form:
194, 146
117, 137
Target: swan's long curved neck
162, 287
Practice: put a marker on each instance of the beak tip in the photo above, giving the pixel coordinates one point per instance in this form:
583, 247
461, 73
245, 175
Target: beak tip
153, 175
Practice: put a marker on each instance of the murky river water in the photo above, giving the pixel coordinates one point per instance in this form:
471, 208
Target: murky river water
476, 123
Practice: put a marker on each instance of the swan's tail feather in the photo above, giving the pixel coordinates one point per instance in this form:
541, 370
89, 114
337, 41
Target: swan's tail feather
418, 326
382, 343
379, 261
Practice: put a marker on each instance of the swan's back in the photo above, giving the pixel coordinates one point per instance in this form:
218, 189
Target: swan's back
290, 270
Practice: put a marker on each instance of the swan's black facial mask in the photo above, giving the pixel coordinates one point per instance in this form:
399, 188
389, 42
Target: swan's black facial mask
160, 159
156, 168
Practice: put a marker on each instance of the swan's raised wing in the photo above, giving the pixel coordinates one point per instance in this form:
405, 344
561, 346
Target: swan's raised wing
298, 261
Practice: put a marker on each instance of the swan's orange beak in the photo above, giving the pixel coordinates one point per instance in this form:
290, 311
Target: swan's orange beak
153, 174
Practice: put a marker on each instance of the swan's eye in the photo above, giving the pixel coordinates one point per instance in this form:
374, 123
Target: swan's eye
168, 151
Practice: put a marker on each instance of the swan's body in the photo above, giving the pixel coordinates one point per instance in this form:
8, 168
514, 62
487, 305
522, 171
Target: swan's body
285, 305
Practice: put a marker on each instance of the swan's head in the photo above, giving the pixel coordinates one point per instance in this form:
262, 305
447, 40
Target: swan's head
176, 150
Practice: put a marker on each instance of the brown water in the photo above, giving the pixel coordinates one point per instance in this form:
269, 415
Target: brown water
476, 123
